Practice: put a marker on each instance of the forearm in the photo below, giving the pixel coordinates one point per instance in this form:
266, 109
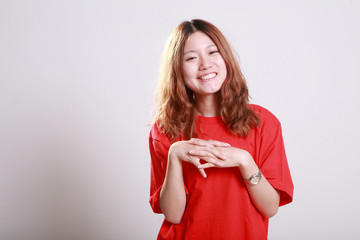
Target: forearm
263, 195
172, 194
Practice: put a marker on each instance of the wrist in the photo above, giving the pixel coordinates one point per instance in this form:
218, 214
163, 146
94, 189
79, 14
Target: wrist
173, 160
245, 160
247, 165
173, 155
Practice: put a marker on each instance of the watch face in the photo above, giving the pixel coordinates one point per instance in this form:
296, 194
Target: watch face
254, 180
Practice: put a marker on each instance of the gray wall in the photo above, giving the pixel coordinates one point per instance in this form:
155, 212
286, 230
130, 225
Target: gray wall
76, 83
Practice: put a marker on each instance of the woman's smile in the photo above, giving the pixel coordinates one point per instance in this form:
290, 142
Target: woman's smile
207, 77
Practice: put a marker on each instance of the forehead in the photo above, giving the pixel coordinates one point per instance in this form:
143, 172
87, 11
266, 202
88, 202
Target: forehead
198, 40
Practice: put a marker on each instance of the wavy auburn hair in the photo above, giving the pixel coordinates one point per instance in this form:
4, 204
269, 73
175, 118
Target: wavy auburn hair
175, 103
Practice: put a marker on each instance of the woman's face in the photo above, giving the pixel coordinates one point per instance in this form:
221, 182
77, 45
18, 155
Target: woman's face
204, 68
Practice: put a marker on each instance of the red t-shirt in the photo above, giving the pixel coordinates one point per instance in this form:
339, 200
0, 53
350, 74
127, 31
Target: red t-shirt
219, 206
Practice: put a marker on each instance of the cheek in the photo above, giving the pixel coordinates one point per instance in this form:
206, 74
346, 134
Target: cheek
225, 71
186, 77
188, 73
222, 63
223, 67
188, 83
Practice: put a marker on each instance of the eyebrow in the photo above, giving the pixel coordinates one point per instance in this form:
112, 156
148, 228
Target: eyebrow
210, 46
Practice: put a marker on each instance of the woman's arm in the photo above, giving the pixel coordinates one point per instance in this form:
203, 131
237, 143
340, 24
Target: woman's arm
264, 196
172, 194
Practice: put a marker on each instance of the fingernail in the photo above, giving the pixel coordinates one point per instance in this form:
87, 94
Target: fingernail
228, 145
191, 152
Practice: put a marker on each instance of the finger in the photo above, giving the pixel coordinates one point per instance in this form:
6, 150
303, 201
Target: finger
216, 143
206, 165
204, 143
217, 154
208, 152
194, 160
200, 142
202, 172
214, 161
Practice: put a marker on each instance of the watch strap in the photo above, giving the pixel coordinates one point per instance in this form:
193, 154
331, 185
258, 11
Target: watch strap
250, 179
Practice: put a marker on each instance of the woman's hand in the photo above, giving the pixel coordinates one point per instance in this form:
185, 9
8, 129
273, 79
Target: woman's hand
220, 154
264, 196
191, 151
172, 195
232, 157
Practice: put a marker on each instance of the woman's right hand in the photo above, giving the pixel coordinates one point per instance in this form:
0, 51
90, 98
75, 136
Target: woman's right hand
189, 152
172, 195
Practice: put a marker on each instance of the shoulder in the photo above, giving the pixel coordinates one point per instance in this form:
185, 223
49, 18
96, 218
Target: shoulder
158, 135
267, 118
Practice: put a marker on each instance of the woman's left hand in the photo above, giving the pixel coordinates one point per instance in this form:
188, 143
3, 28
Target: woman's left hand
234, 157
264, 196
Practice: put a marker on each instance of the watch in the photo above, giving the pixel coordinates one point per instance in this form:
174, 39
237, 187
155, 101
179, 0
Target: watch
254, 179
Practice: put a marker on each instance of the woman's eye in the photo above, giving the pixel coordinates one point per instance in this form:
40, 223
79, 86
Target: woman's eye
214, 51
190, 58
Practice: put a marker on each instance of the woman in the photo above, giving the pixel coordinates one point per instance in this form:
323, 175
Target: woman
218, 164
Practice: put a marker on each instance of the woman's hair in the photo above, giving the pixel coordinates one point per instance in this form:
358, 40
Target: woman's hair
175, 102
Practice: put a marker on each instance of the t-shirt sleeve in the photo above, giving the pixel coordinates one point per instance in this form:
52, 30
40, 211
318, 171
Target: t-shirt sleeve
272, 157
159, 147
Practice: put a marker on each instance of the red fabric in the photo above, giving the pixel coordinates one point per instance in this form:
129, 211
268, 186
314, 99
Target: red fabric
219, 207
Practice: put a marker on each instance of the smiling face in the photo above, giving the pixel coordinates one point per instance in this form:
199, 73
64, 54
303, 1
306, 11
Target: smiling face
204, 68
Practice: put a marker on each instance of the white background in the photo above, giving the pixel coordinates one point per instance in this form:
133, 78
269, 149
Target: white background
76, 85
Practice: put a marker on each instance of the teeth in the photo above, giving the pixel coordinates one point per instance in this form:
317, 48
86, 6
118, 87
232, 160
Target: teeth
211, 75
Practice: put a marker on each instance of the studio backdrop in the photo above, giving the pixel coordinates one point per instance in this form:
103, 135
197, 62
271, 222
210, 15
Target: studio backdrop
76, 95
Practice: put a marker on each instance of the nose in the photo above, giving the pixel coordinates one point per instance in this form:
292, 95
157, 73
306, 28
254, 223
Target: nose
204, 63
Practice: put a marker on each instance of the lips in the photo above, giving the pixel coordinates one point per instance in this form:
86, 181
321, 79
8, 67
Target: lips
207, 76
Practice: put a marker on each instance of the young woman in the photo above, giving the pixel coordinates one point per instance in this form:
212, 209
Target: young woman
218, 164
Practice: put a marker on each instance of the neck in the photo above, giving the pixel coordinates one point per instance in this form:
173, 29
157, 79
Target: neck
207, 106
